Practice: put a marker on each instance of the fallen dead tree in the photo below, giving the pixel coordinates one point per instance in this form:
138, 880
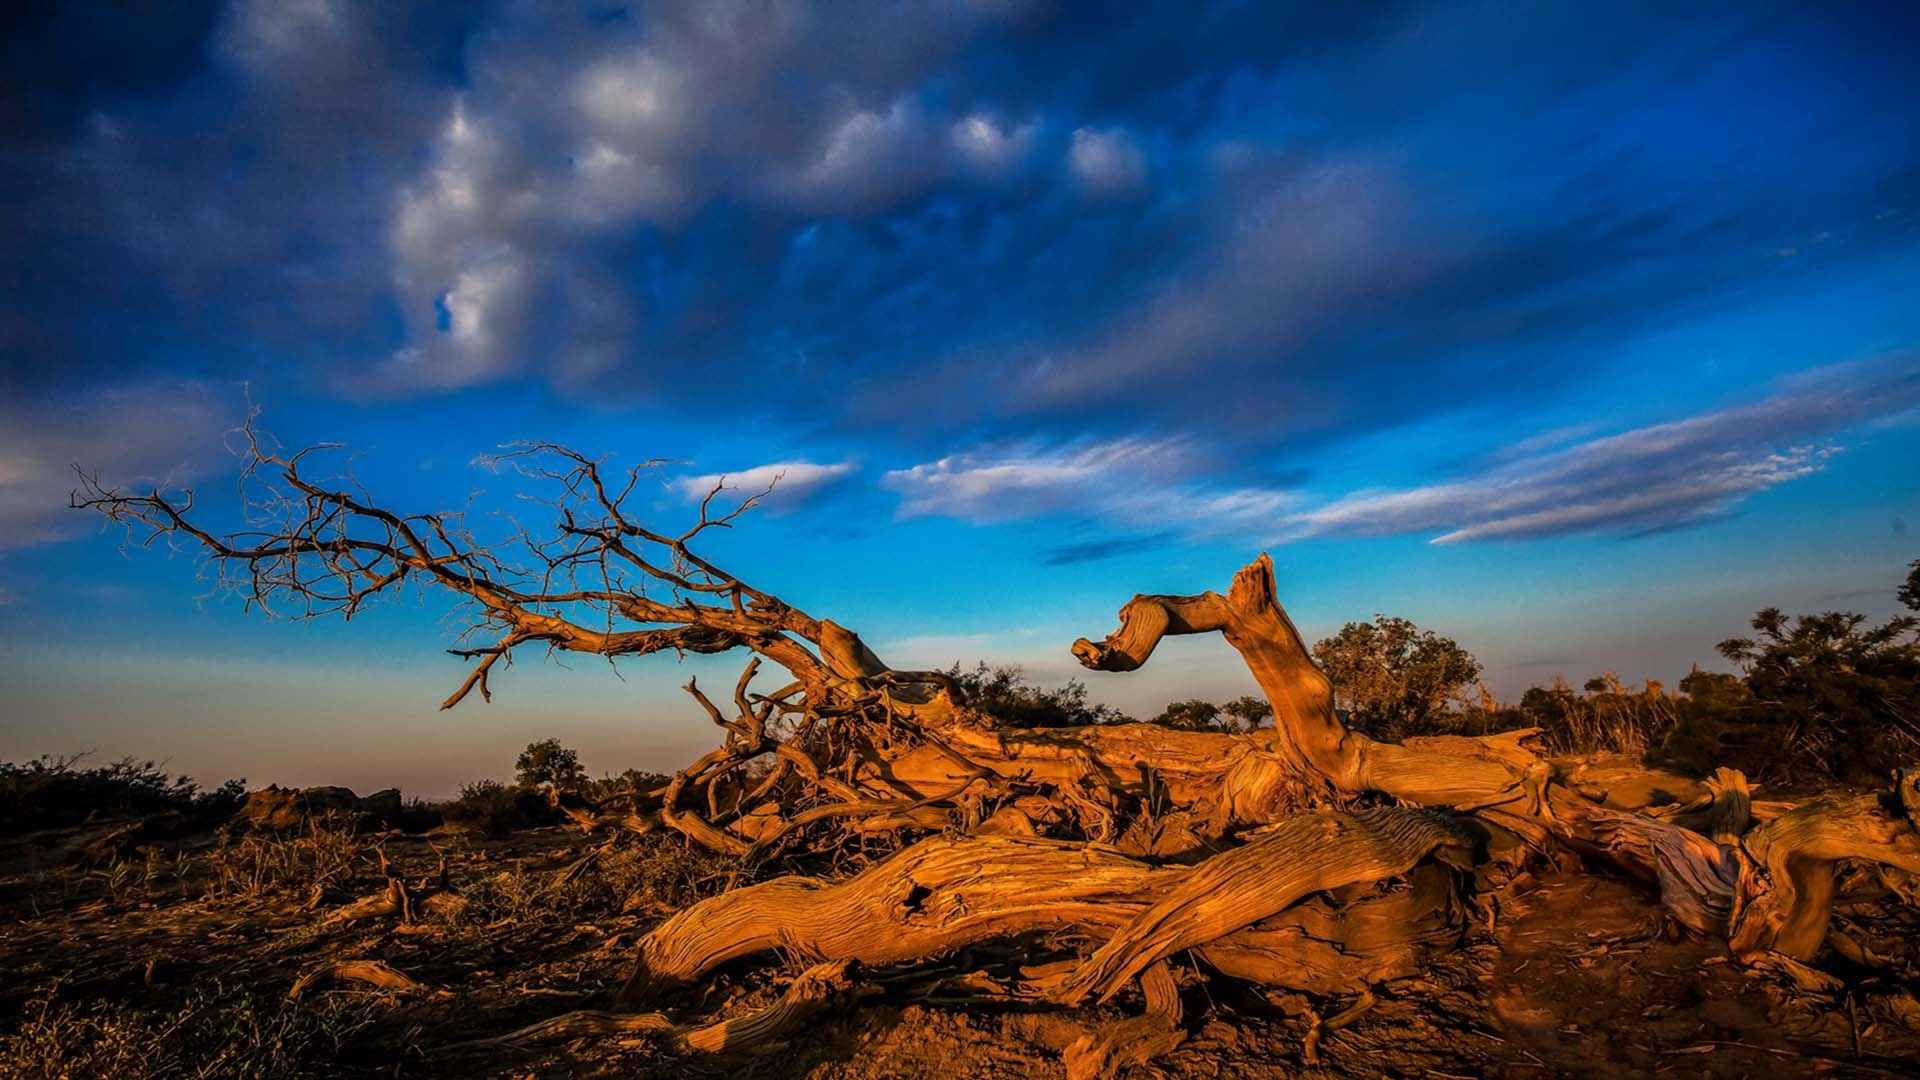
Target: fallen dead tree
1103, 858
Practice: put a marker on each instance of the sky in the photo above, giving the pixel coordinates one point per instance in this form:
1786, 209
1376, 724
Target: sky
1576, 333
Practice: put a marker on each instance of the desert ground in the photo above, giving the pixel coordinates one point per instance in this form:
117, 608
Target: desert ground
223, 951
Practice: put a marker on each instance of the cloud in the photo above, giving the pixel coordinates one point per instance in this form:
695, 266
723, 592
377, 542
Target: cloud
1134, 480
1023, 481
1652, 478
152, 434
793, 483
1655, 477
1107, 163
1096, 550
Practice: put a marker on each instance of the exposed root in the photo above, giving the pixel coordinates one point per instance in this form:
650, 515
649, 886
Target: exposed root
1135, 1040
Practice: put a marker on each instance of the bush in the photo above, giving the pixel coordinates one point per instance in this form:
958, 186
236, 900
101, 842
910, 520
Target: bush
489, 806
1833, 691
49, 793
1005, 694
1240, 714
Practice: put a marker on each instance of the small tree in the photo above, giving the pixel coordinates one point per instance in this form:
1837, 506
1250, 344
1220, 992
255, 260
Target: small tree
1910, 592
547, 762
1392, 678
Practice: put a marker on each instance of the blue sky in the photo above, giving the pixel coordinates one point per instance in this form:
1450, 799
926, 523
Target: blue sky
1575, 333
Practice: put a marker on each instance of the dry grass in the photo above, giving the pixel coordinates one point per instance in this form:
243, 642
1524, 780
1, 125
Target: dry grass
218, 1032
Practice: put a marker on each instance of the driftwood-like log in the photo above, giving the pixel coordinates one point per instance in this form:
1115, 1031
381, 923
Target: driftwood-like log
938, 895
945, 893
1324, 947
1237, 888
1308, 736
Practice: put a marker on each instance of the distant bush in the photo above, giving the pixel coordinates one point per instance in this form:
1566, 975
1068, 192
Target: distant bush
1240, 714
1835, 690
50, 792
487, 806
496, 809
1829, 696
1005, 694
632, 781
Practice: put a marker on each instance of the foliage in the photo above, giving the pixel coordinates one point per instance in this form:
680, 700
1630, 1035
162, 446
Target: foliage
547, 762
1241, 714
1835, 688
1392, 678
50, 792
327, 856
1830, 695
1005, 694
489, 806
1605, 715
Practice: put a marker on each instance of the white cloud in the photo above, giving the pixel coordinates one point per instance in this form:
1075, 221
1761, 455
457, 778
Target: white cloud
1022, 481
1655, 477
793, 482
1107, 163
570, 137
989, 148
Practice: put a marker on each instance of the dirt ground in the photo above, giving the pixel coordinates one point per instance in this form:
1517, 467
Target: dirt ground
192, 947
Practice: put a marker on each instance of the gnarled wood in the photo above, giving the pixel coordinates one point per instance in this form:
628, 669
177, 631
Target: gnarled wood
1308, 736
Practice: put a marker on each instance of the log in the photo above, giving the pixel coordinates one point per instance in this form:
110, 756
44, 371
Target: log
948, 892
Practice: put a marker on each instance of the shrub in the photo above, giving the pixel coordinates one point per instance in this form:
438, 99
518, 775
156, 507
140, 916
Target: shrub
1004, 693
1837, 693
1240, 714
49, 792
487, 805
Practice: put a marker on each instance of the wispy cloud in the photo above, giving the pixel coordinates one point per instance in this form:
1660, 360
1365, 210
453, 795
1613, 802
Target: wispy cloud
1136, 481
792, 483
148, 434
1096, 550
998, 484
1648, 479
